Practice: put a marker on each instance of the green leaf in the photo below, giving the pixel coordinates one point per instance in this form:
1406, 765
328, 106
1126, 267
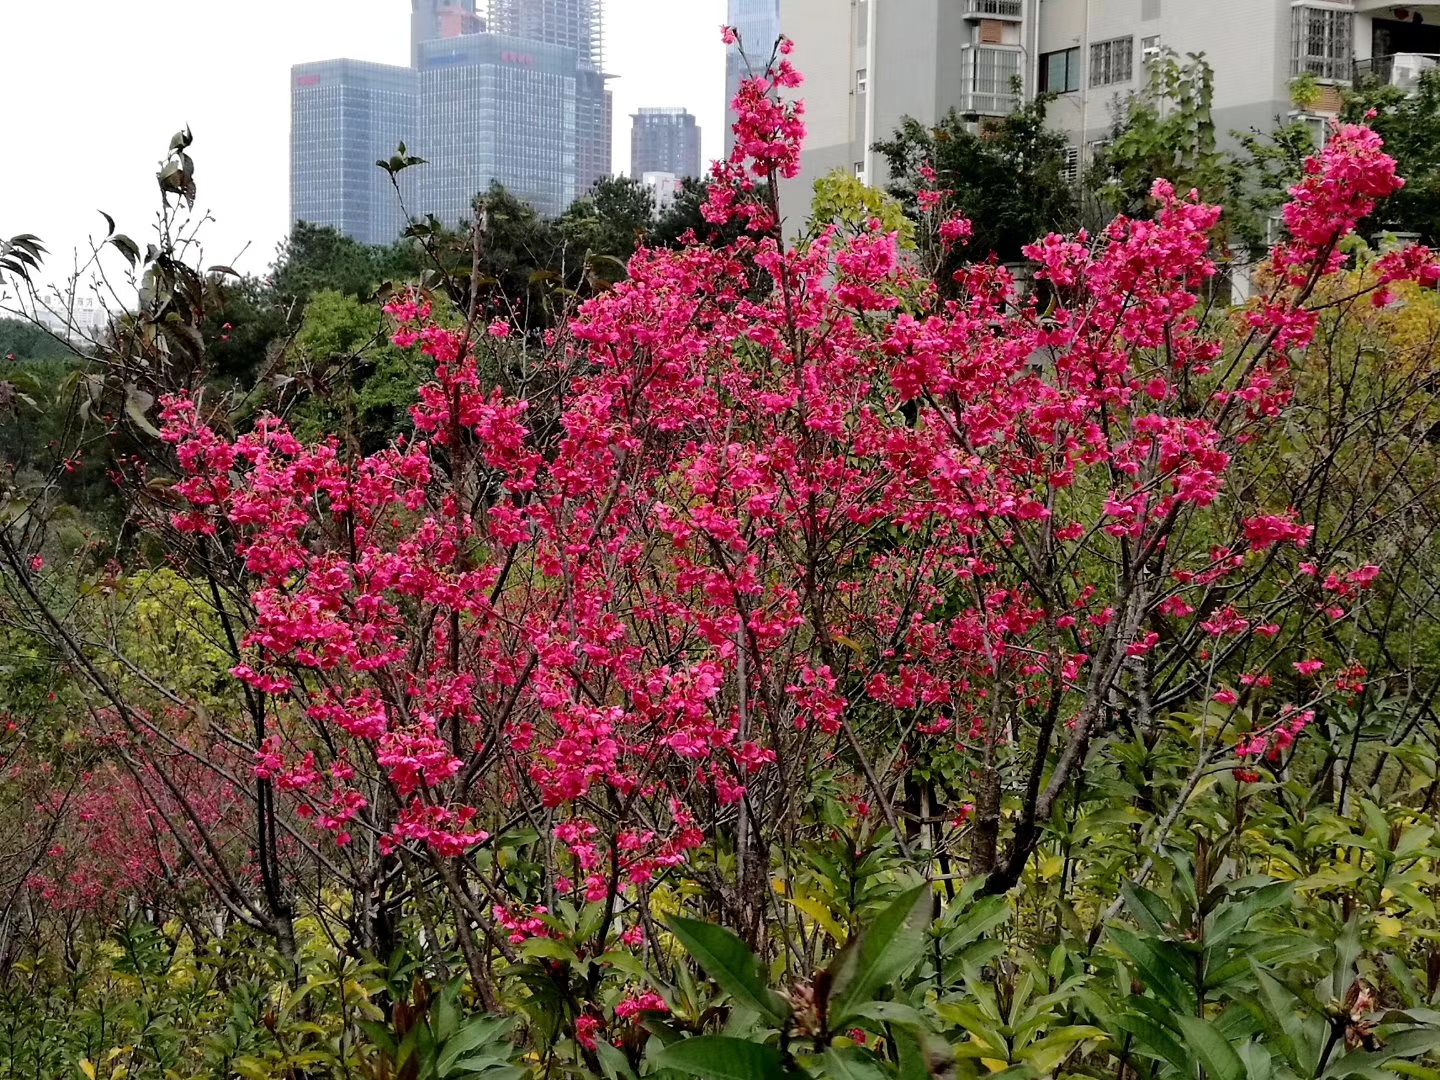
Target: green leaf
1211, 1048
474, 1034
1160, 965
881, 953
1280, 1010
1236, 915
726, 960
445, 1017
1153, 1040
612, 1062
1146, 908
126, 247
853, 1063
549, 948
889, 1012
720, 1057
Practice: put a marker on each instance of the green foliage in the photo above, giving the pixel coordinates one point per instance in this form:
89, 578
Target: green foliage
840, 199
1009, 178
1264, 166
316, 258
1163, 131
682, 217
1410, 125
354, 380
612, 219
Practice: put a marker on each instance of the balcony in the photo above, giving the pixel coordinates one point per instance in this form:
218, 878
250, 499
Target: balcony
1400, 70
991, 81
1425, 7
994, 9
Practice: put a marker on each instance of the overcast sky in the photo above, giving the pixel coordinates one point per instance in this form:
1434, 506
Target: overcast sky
95, 88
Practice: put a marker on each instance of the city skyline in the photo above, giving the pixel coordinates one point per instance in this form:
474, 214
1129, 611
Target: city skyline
228, 79
514, 96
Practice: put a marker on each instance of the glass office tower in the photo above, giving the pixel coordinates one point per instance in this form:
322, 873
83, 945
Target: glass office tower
344, 116
495, 107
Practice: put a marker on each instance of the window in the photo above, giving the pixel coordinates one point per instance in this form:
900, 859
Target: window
862, 83
1323, 42
1070, 169
1319, 127
993, 81
1112, 61
860, 170
1149, 10
1060, 71
1150, 46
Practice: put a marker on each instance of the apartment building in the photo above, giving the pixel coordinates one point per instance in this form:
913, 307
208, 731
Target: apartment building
868, 63
1093, 54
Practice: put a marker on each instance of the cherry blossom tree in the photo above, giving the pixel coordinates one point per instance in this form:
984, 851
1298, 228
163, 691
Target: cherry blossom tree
782, 510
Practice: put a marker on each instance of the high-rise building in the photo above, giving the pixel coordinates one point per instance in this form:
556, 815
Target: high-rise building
1093, 56
497, 90
344, 116
495, 107
578, 25
664, 141
434, 19
757, 23
869, 63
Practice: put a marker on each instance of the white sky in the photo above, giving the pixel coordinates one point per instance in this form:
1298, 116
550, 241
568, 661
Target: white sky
95, 88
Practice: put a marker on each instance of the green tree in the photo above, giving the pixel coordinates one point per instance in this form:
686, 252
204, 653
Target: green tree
1410, 125
1009, 178
317, 257
611, 219
355, 381
681, 216
843, 200
1166, 130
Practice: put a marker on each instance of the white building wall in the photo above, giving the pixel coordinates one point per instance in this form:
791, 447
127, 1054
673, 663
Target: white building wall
1246, 42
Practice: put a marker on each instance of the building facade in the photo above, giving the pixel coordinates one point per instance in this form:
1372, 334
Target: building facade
344, 116
1093, 55
663, 186
434, 19
577, 25
757, 22
493, 107
869, 63
497, 90
664, 141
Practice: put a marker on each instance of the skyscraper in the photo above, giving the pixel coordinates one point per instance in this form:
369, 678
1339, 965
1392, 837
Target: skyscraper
344, 116
758, 24
578, 25
497, 90
434, 19
664, 141
495, 107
